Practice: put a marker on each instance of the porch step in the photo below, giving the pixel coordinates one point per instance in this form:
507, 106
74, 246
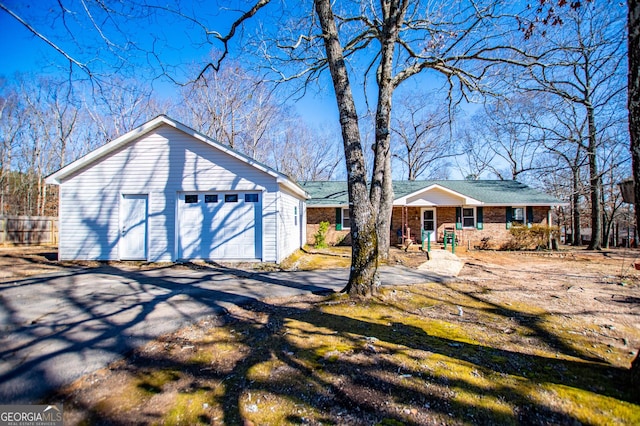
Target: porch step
418, 247
434, 247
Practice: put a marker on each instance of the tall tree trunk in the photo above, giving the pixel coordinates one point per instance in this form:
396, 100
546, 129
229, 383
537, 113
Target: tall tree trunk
385, 211
606, 223
381, 183
634, 96
43, 189
576, 235
363, 278
595, 184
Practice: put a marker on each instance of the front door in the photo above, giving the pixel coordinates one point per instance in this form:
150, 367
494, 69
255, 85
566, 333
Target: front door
429, 223
133, 227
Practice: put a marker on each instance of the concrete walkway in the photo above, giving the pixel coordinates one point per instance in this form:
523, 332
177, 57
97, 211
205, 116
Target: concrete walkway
443, 263
59, 327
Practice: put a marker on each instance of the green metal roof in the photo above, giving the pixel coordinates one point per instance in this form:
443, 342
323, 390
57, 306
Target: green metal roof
326, 193
496, 192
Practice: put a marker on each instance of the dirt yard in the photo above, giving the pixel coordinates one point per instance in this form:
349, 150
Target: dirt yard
517, 338
597, 288
25, 261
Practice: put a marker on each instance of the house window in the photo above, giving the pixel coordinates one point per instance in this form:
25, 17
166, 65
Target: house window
250, 198
346, 218
518, 215
191, 198
211, 198
231, 198
468, 217
295, 215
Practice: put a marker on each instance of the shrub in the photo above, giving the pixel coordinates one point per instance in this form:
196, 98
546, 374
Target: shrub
534, 237
484, 244
320, 237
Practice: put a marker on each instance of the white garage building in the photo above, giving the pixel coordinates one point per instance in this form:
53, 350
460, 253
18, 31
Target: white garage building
164, 192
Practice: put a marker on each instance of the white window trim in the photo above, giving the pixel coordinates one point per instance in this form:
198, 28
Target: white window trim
345, 213
475, 217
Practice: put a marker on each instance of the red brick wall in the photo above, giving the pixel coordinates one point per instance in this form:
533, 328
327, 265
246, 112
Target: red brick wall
494, 226
315, 215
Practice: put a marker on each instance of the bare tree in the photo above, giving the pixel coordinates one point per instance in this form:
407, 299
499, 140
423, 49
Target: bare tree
458, 47
614, 158
304, 154
117, 106
11, 127
241, 111
421, 136
504, 127
633, 92
563, 128
396, 26
51, 115
475, 159
581, 62
235, 108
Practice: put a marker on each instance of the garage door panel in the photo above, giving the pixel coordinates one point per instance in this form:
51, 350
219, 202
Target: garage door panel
219, 230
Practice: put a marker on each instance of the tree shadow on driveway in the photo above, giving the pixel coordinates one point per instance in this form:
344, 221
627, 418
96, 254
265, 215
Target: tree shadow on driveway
58, 327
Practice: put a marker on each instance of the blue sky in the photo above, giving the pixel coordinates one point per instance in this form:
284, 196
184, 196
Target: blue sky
23, 52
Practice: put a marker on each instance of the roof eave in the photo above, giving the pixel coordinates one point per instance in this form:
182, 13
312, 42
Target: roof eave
527, 204
329, 205
293, 187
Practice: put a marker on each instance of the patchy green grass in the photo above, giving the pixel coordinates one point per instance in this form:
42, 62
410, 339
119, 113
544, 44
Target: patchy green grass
424, 354
311, 259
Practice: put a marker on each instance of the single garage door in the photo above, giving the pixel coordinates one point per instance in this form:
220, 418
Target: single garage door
219, 226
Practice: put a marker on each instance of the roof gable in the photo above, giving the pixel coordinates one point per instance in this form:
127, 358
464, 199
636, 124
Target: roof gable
435, 195
96, 155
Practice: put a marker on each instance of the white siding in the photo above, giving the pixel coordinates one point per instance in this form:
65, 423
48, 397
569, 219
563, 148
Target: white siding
290, 226
159, 164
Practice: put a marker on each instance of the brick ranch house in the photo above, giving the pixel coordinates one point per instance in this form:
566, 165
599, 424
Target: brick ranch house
473, 209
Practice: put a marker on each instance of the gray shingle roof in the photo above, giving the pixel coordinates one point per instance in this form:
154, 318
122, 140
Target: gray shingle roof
504, 192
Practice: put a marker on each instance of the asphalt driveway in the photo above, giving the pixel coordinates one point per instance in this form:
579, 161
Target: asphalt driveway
56, 328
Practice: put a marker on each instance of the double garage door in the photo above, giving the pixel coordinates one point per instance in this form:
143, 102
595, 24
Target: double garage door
219, 226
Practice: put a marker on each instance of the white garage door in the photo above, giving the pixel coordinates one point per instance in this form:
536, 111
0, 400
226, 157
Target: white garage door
219, 226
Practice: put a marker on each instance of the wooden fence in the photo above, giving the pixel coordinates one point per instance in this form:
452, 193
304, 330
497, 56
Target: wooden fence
28, 230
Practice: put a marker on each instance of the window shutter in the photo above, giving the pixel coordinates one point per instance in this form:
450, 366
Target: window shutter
458, 217
509, 218
529, 215
479, 218
338, 218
